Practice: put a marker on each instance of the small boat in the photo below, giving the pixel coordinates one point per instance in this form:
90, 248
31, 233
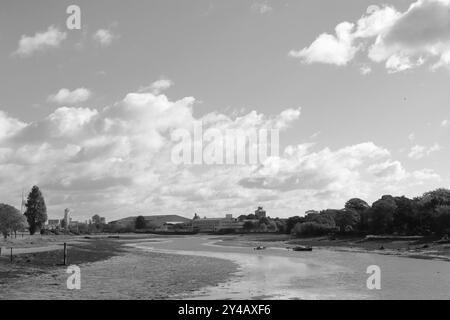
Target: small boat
302, 248
259, 248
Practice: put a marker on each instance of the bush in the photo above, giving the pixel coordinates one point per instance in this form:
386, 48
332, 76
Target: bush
312, 229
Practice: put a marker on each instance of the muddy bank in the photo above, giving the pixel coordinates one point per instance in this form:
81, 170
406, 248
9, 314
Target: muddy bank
110, 270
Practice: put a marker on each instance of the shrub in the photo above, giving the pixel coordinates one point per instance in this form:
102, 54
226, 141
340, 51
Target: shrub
312, 229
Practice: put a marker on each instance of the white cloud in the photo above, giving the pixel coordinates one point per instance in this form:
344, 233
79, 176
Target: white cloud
426, 174
116, 160
41, 41
9, 126
104, 37
65, 96
389, 170
419, 152
365, 70
157, 86
444, 123
331, 49
67, 121
400, 40
261, 7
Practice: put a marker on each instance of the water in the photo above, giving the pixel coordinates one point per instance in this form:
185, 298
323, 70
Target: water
277, 273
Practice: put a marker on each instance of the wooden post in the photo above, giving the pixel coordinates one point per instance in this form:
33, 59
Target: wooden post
0, 251
65, 253
11, 258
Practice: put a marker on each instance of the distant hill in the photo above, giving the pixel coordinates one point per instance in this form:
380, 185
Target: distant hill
157, 221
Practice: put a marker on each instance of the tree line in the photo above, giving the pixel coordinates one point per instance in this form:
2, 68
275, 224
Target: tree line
426, 215
12, 220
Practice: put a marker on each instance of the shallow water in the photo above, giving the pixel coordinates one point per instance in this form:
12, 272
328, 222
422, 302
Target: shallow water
277, 273
202, 268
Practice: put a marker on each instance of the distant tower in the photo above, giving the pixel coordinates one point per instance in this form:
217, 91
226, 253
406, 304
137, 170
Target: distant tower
66, 218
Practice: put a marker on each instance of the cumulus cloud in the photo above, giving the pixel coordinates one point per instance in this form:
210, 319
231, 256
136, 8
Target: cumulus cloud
104, 37
419, 151
331, 49
327, 177
117, 160
41, 41
400, 40
157, 86
9, 126
65, 96
390, 170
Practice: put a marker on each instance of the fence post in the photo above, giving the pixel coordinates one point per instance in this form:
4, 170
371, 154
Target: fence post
0, 251
65, 253
11, 257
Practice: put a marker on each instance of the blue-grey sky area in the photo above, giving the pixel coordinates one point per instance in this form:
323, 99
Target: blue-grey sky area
358, 89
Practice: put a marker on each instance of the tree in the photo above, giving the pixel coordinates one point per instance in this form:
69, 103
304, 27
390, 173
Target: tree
356, 204
248, 225
36, 212
242, 217
347, 220
281, 226
361, 207
405, 218
11, 220
311, 229
442, 220
325, 217
381, 215
435, 198
291, 222
140, 223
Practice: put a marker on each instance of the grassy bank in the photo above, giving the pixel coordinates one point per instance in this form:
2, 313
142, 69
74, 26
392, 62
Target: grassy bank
32, 263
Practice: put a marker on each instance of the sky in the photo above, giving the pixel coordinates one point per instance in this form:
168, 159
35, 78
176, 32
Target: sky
357, 89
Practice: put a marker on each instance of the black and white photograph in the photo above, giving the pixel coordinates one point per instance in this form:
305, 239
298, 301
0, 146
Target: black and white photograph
247, 151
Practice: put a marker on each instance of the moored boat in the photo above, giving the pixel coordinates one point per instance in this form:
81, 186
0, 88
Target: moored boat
302, 248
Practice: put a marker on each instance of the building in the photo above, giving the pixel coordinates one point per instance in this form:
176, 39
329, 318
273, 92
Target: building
53, 224
217, 224
206, 224
260, 213
175, 226
151, 221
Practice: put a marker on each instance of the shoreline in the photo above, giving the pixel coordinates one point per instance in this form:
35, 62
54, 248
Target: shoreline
277, 273
414, 249
181, 267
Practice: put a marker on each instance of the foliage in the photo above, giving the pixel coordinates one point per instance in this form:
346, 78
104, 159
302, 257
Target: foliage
291, 222
381, 215
347, 220
312, 229
140, 223
36, 212
11, 220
